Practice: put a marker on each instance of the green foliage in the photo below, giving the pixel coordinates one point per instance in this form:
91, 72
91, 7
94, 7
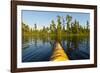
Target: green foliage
75, 27
59, 23
68, 20
53, 26
58, 29
35, 26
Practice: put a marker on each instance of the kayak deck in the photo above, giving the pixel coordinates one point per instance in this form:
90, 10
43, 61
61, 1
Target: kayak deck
59, 54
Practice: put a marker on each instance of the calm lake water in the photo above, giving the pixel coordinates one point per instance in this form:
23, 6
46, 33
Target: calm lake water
40, 49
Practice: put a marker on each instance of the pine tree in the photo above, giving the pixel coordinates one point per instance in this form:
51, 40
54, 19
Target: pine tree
68, 20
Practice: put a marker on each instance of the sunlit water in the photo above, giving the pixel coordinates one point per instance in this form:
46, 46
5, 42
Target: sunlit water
35, 50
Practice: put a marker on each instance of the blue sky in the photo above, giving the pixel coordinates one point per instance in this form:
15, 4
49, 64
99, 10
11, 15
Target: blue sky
44, 18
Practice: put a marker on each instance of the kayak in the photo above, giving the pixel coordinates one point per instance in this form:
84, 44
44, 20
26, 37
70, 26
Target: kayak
59, 53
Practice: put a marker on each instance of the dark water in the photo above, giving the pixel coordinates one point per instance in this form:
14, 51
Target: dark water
37, 49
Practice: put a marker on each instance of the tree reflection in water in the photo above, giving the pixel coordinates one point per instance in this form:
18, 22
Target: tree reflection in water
76, 47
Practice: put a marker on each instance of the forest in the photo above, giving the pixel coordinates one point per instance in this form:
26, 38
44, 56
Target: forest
57, 29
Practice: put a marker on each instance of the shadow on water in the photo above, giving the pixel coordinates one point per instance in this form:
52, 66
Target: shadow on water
35, 48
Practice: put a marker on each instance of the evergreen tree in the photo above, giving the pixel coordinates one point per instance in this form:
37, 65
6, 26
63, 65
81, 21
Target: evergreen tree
53, 26
35, 27
68, 20
59, 23
63, 23
87, 25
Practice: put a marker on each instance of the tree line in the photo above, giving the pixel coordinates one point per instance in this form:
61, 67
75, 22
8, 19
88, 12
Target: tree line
60, 27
